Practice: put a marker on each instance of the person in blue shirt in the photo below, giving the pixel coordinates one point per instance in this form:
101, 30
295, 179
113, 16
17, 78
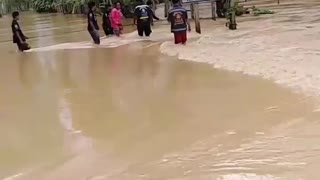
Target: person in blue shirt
143, 18
178, 17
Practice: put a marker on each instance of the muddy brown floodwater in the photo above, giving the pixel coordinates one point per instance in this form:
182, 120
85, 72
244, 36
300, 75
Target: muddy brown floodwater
131, 113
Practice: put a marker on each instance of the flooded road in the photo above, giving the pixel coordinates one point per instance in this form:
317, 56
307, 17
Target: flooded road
131, 113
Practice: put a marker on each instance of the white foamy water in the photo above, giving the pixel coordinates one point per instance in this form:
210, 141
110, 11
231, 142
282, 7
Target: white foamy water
283, 47
110, 42
161, 34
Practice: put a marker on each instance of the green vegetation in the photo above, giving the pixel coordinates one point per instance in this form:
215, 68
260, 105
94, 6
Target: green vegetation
63, 6
7, 6
44, 5
239, 10
257, 11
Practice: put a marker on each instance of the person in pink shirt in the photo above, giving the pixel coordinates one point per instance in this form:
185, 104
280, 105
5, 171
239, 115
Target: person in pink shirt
115, 19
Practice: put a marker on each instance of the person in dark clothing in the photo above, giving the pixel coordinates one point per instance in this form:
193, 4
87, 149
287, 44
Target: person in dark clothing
18, 37
143, 18
220, 8
178, 17
106, 24
93, 27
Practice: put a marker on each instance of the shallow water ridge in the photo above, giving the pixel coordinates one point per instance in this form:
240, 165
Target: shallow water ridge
124, 111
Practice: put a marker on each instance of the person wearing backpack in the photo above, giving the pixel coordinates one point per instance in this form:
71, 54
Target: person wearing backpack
178, 17
143, 18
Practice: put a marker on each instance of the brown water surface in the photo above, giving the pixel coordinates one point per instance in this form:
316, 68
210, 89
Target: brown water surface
131, 113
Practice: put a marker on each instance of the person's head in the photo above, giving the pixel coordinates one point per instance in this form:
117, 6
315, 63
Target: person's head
15, 15
149, 3
175, 1
108, 7
92, 6
140, 2
117, 5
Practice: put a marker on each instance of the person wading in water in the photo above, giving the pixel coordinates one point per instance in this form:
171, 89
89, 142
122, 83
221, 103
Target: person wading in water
93, 27
18, 37
115, 19
179, 22
106, 24
143, 18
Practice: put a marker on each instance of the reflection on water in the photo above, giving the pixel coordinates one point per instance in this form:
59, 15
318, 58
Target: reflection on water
131, 113
118, 115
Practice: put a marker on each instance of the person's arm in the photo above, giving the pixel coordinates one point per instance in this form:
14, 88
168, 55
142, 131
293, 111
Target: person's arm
169, 17
116, 17
97, 25
136, 14
187, 21
119, 17
153, 15
19, 37
189, 26
91, 23
111, 18
16, 32
104, 19
134, 20
25, 37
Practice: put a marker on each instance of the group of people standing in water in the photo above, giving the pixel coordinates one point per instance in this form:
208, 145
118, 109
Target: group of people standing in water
143, 19
111, 22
